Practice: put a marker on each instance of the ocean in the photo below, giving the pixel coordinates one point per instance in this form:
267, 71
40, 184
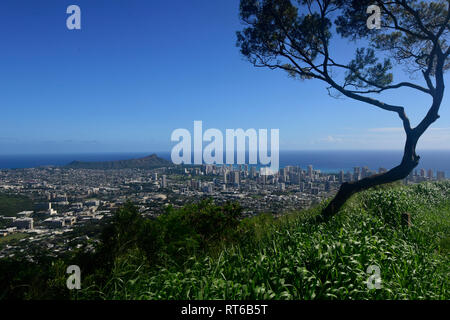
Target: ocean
326, 161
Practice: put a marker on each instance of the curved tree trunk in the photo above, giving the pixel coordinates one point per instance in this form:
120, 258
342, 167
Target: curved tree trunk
347, 189
271, 39
409, 162
410, 158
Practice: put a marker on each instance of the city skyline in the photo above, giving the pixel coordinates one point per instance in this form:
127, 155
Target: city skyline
203, 152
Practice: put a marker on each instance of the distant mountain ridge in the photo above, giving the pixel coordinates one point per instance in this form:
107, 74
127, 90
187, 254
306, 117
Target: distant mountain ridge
149, 162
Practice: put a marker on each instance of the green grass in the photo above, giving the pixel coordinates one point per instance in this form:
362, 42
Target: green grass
293, 258
10, 205
12, 237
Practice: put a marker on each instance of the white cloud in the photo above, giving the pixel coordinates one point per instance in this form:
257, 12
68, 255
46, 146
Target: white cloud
384, 139
332, 139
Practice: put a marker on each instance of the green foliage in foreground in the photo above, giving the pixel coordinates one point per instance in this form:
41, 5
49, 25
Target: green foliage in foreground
203, 251
293, 258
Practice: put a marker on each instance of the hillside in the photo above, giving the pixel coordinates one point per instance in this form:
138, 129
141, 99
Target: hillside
295, 258
205, 251
149, 162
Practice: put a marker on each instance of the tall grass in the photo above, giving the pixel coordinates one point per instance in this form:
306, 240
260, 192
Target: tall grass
294, 258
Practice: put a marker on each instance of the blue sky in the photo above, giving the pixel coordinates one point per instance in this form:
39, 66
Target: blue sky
137, 70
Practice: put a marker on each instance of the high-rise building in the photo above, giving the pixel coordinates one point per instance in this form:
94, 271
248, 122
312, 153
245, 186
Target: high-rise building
440, 175
341, 176
253, 172
310, 171
365, 172
422, 173
293, 177
357, 173
164, 181
236, 177
430, 174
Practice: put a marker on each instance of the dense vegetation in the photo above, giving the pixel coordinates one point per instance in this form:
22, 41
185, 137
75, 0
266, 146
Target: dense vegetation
204, 251
12, 204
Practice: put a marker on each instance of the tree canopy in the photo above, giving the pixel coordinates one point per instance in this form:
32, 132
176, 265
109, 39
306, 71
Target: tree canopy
296, 36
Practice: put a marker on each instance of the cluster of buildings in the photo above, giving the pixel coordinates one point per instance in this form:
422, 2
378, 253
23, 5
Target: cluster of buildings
425, 175
65, 200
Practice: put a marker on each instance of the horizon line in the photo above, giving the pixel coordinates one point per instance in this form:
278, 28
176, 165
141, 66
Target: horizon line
168, 151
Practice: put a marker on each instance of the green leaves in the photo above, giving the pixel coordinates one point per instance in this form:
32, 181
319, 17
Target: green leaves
366, 72
277, 31
289, 258
295, 36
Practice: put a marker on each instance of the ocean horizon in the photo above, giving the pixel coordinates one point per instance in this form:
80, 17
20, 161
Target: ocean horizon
324, 160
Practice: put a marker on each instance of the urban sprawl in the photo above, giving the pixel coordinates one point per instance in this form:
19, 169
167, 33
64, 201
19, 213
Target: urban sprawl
69, 205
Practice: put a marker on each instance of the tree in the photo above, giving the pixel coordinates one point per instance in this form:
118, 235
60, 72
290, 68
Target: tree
295, 36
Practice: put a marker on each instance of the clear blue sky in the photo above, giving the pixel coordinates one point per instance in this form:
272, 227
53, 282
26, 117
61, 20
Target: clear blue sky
139, 69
